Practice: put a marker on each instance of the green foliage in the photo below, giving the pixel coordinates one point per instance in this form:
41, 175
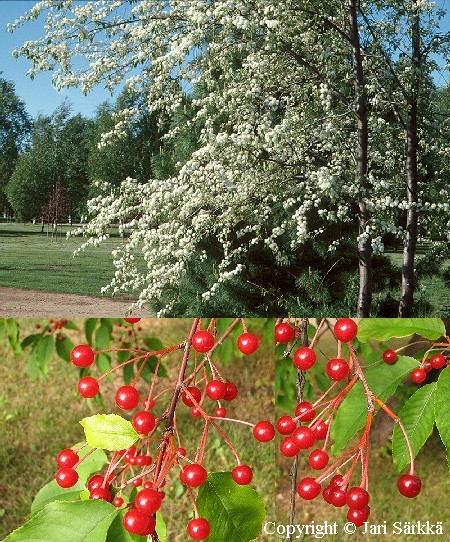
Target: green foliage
383, 329
235, 512
53, 492
58, 152
109, 432
80, 521
352, 413
417, 416
441, 409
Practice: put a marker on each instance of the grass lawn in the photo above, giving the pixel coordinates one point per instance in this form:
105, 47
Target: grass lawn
31, 260
38, 419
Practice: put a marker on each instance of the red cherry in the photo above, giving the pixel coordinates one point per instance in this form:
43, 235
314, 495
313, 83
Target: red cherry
118, 502
231, 391
195, 412
305, 411
66, 477
132, 320
357, 498
82, 355
148, 501
100, 493
95, 482
215, 390
148, 404
242, 474
358, 517
304, 358
288, 447
426, 366
220, 412
286, 425
263, 431
409, 485
127, 397
418, 375
338, 497
337, 480
390, 356
196, 394
308, 488
304, 437
202, 341
327, 492
136, 522
181, 451
198, 528
337, 369
137, 482
143, 422
150, 527
193, 475
67, 458
284, 333
248, 343
345, 330
320, 430
318, 459
438, 361
88, 387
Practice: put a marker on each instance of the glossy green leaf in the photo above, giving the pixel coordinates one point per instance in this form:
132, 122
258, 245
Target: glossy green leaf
417, 416
109, 432
235, 512
44, 351
53, 492
442, 409
383, 329
89, 326
64, 347
352, 413
80, 521
71, 325
93, 462
102, 338
12, 331
30, 340
103, 363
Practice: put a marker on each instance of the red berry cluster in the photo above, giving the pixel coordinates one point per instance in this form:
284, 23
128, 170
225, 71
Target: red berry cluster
138, 467
312, 424
419, 375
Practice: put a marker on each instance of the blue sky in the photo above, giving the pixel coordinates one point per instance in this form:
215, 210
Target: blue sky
39, 95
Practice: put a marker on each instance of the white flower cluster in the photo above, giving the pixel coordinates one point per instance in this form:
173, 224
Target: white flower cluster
276, 159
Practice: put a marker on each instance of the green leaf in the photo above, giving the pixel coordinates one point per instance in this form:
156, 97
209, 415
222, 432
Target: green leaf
103, 362
71, 325
442, 409
89, 326
109, 432
53, 492
102, 338
417, 416
383, 329
161, 528
93, 462
235, 512
30, 340
80, 521
64, 347
128, 373
2, 328
352, 413
44, 351
12, 331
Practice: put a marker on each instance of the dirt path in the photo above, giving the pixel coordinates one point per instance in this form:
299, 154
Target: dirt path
19, 303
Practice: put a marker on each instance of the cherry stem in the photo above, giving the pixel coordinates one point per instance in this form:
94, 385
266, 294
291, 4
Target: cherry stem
316, 334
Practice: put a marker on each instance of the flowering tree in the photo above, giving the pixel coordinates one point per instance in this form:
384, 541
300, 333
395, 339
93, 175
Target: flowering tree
281, 160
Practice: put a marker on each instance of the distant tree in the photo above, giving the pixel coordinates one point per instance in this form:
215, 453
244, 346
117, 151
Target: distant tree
56, 208
15, 125
58, 150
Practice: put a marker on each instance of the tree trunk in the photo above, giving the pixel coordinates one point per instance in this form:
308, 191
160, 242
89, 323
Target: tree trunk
412, 177
361, 153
